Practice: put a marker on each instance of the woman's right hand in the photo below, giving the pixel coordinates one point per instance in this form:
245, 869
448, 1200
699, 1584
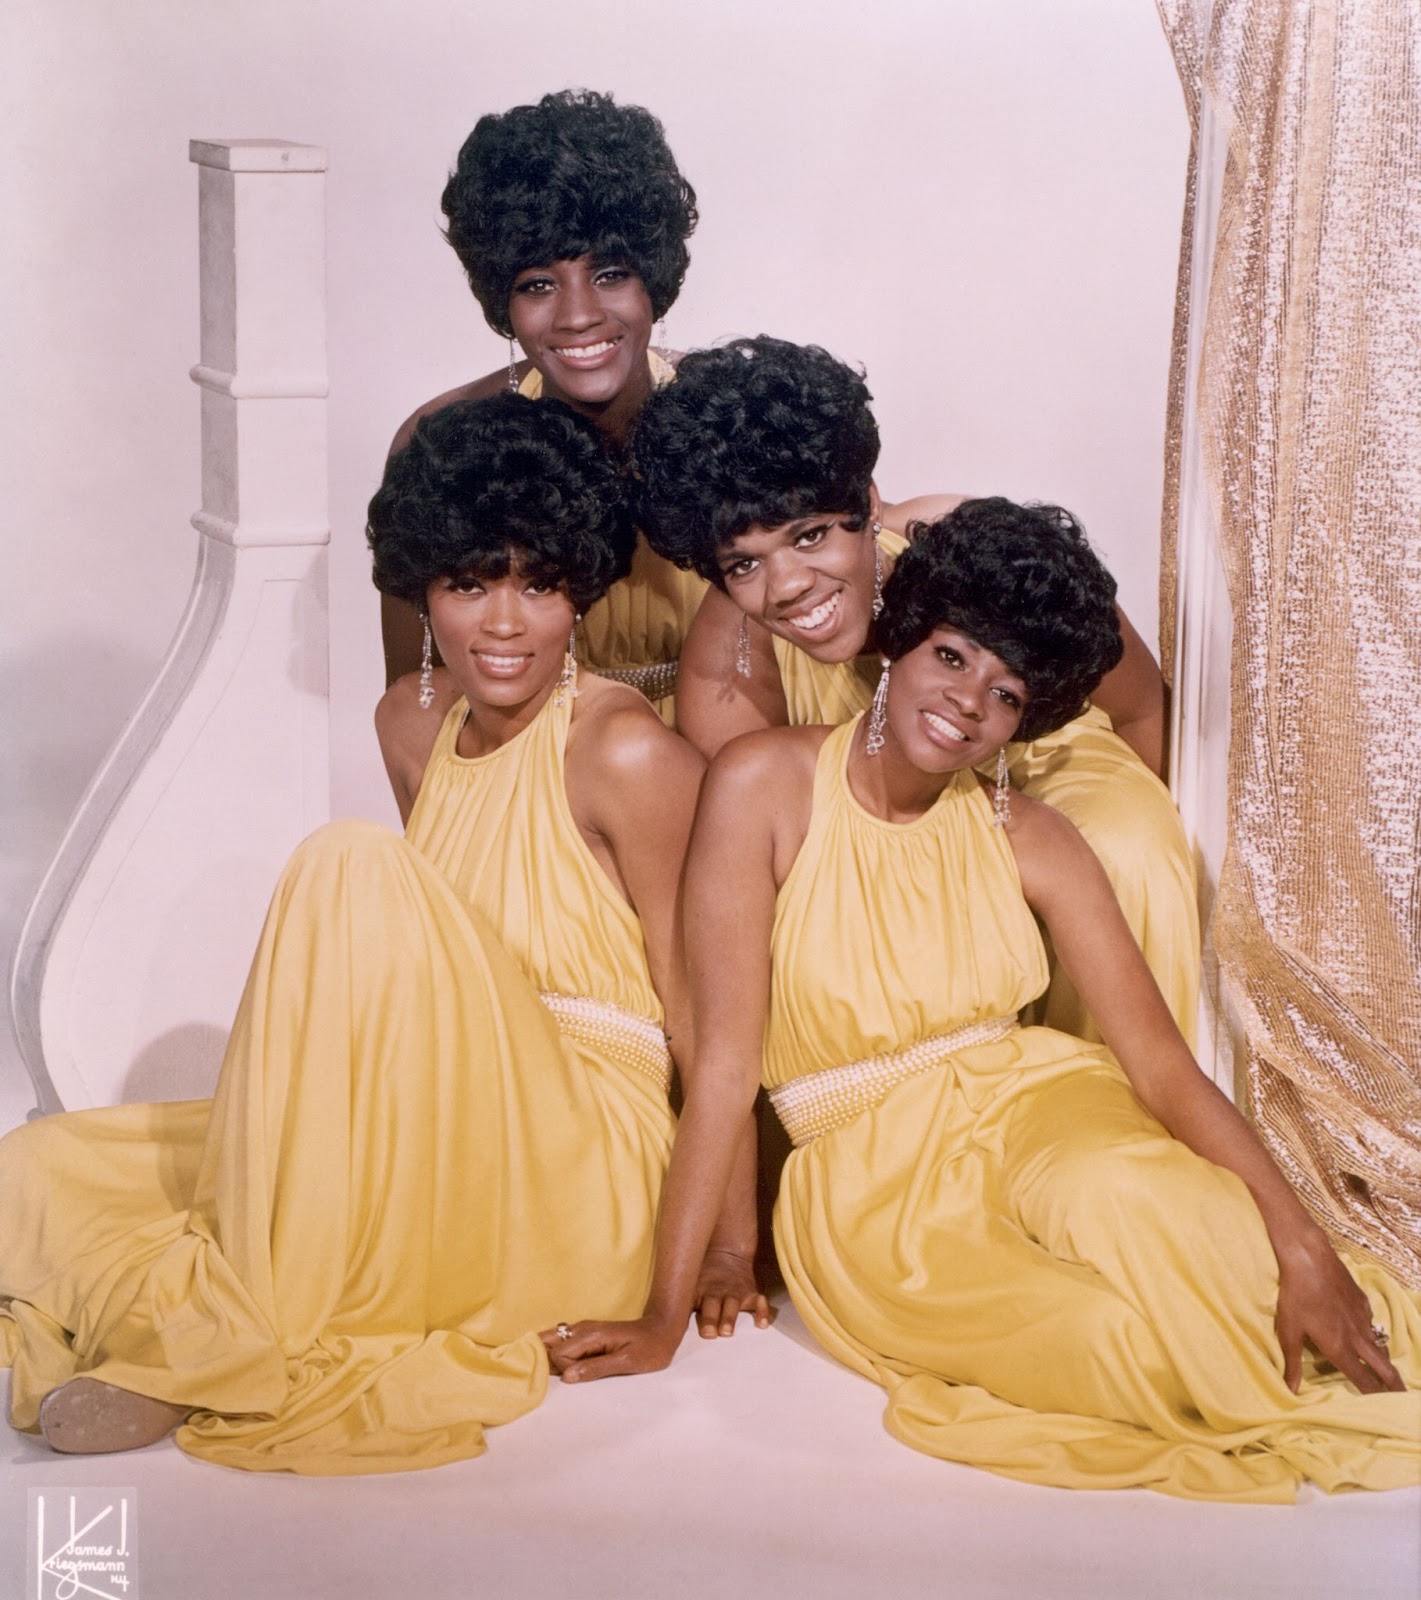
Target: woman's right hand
1320, 1302
726, 1287
587, 1351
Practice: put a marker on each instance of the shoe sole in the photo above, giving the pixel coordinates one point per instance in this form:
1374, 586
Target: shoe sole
85, 1417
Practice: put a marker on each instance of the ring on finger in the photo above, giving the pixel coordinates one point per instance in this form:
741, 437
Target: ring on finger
1380, 1337
564, 1332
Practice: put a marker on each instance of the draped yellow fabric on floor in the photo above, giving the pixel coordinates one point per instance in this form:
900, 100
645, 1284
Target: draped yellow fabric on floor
407, 1170
1046, 1284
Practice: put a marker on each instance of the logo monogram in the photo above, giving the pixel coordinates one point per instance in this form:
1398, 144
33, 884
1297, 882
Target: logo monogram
83, 1544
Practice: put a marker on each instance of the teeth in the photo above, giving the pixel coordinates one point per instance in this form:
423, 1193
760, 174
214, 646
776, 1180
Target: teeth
585, 350
942, 725
811, 621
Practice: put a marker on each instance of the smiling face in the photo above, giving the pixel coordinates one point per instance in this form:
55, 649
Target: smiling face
586, 328
951, 703
809, 580
503, 639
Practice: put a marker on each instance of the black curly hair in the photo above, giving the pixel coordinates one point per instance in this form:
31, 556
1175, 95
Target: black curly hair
1022, 582
483, 483
574, 175
756, 432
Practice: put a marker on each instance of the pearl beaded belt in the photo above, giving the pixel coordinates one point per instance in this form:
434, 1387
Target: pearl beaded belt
634, 1041
656, 681
818, 1102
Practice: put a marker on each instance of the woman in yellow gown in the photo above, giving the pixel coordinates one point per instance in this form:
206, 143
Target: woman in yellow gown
756, 471
441, 1123
570, 218
1060, 1270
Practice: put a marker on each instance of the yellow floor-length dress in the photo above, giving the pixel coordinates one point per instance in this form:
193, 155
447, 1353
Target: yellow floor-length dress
410, 1164
634, 633
1087, 771
1045, 1283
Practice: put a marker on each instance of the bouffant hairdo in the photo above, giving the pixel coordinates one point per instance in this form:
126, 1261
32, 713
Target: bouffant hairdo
756, 432
574, 175
1022, 582
485, 483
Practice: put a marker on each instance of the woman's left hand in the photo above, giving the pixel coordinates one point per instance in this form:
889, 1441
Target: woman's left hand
726, 1287
1319, 1301
584, 1351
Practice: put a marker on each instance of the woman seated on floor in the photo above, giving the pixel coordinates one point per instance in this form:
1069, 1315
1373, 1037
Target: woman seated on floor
441, 1123
570, 218
756, 471
1060, 1270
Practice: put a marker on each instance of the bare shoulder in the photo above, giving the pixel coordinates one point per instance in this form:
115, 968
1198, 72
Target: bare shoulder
618, 729
757, 802
717, 616
902, 515
479, 389
407, 730
716, 698
773, 762
1052, 857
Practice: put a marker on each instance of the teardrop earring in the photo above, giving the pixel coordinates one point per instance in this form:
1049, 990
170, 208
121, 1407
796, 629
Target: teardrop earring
426, 669
567, 679
1001, 795
742, 647
878, 714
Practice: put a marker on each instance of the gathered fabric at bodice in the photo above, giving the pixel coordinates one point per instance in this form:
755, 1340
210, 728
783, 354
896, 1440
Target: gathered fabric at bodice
886, 934
642, 620
500, 828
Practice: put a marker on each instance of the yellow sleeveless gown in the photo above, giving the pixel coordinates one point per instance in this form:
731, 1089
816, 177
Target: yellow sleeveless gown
409, 1167
1046, 1284
1088, 772
635, 631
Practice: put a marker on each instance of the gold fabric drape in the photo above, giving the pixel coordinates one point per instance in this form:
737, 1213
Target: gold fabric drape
1305, 411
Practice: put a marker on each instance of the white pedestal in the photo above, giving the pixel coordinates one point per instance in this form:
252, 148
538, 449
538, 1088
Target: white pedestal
134, 952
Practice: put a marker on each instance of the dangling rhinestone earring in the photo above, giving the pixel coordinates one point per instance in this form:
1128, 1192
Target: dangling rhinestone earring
742, 647
659, 335
512, 366
567, 679
878, 713
877, 607
426, 669
1001, 795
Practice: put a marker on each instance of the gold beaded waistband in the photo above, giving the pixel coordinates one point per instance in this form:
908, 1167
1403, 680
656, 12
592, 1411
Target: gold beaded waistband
656, 680
821, 1101
635, 1041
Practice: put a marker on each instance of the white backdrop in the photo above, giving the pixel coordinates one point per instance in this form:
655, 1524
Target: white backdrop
977, 199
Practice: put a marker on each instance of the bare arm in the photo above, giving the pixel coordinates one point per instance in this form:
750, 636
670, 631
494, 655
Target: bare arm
407, 731
730, 897
714, 702
632, 785
902, 514
1318, 1299
1132, 695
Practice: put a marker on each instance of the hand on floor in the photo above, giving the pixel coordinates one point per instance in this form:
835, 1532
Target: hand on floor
725, 1288
584, 1351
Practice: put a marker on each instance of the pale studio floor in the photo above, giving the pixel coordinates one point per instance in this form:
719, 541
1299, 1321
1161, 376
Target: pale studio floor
750, 1467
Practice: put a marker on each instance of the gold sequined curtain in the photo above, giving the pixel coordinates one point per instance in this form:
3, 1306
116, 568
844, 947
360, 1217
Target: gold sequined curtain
1303, 411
